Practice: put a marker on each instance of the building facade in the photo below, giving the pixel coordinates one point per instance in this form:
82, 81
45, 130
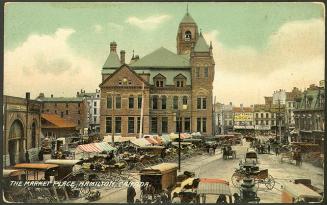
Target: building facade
310, 116
170, 91
93, 112
243, 119
72, 109
22, 129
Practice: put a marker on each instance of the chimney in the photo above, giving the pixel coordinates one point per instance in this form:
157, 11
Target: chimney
113, 47
230, 103
122, 57
77, 94
41, 95
28, 95
51, 95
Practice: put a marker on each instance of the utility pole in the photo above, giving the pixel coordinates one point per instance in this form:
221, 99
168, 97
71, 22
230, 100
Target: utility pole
280, 122
26, 126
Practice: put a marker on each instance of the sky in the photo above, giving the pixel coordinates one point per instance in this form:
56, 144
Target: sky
60, 48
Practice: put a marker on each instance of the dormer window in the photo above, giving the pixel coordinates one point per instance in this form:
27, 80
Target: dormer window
159, 80
180, 81
188, 35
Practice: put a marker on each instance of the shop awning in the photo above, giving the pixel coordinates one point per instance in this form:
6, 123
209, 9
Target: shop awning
151, 139
141, 142
95, 147
120, 139
213, 186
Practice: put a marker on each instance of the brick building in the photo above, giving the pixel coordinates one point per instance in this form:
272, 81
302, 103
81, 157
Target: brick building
22, 129
172, 81
310, 116
72, 109
243, 119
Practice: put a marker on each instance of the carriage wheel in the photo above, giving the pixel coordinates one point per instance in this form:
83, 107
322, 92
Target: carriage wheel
237, 179
269, 182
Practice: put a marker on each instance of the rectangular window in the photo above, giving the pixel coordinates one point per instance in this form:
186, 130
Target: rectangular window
131, 102
164, 102
257, 122
204, 103
164, 125
257, 115
267, 115
109, 102
117, 124
261, 115
204, 124
118, 102
198, 103
161, 83
154, 125
131, 125
108, 124
187, 124
178, 85
182, 83
206, 72
62, 114
185, 100
154, 102
94, 120
157, 83
198, 124
56, 111
139, 102
197, 72
267, 122
95, 104
175, 102
66, 112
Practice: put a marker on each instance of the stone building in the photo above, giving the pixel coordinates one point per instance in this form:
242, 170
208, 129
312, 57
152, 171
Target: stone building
93, 112
173, 85
22, 129
310, 115
72, 109
225, 118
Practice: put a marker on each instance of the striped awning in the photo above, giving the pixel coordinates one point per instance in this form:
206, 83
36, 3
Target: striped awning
213, 186
151, 139
95, 147
141, 142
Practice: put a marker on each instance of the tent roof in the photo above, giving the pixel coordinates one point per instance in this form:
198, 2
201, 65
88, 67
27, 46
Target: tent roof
95, 147
57, 121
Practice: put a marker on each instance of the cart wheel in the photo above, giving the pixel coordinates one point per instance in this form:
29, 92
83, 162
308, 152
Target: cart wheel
237, 179
269, 182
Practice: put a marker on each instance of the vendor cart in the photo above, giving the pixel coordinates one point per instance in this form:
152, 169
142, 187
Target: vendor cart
158, 178
213, 187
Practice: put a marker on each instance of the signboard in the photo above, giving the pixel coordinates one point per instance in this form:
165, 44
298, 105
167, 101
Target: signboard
16, 107
243, 116
248, 127
262, 127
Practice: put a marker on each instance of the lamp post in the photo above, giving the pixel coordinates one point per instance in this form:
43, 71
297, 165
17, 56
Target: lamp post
179, 121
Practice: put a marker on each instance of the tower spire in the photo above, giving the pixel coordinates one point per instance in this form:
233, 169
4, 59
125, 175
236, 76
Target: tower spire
187, 8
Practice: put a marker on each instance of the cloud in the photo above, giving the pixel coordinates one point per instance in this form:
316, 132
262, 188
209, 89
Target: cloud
46, 63
98, 28
294, 56
148, 23
115, 26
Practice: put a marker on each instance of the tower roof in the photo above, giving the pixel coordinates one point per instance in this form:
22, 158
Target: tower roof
201, 45
187, 19
162, 58
112, 61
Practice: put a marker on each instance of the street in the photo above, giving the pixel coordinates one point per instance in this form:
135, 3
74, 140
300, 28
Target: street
215, 167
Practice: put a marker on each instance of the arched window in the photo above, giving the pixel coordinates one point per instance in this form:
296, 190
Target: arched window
188, 35
154, 102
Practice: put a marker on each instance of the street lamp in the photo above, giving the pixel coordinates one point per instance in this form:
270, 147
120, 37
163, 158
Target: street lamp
179, 121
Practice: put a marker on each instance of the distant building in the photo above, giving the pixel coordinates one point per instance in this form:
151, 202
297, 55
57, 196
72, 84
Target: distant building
72, 109
264, 118
309, 115
22, 129
93, 112
54, 126
243, 119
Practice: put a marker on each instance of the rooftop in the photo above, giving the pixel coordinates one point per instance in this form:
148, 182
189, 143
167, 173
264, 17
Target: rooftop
112, 61
57, 121
201, 45
155, 60
187, 18
60, 99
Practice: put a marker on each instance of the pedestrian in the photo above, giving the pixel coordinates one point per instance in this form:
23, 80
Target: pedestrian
268, 148
277, 150
41, 154
27, 156
131, 193
237, 198
176, 199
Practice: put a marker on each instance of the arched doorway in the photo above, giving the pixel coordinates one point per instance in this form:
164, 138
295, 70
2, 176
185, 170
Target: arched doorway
33, 135
15, 141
